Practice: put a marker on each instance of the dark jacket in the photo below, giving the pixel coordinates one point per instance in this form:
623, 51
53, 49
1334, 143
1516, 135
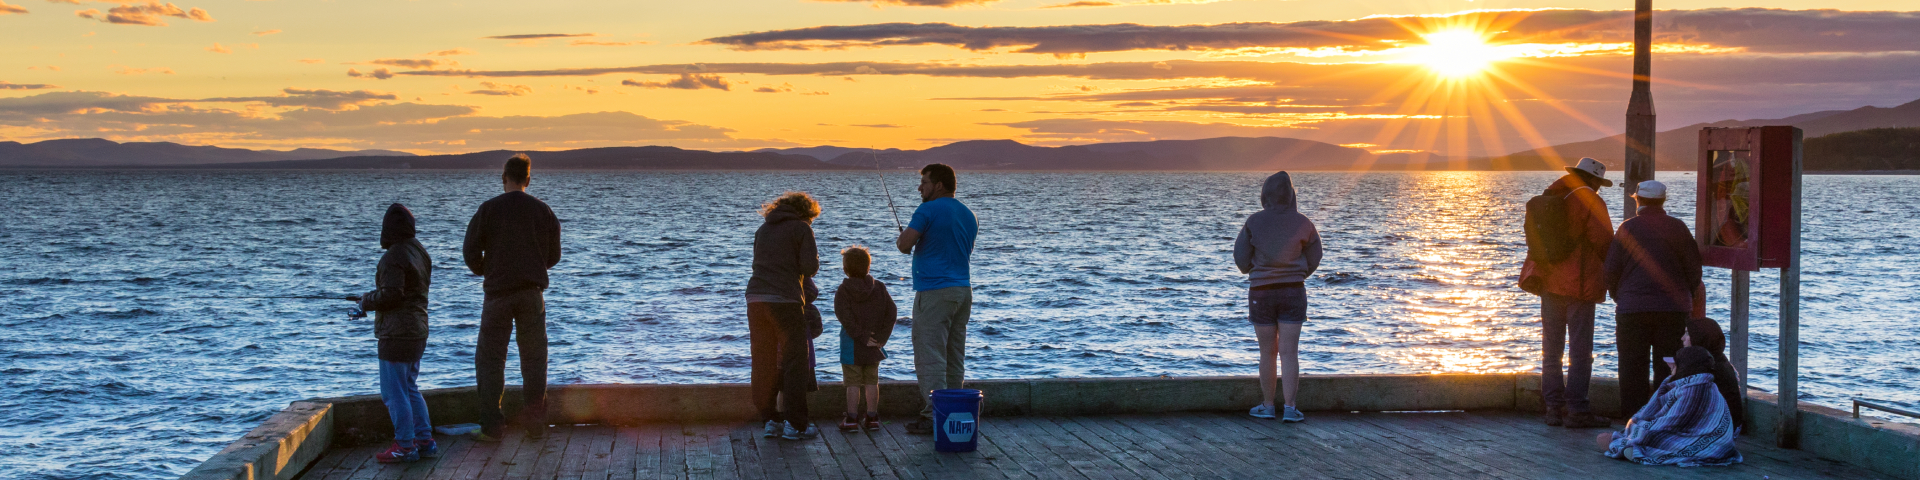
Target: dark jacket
783, 256
1654, 264
815, 322
512, 241
1579, 276
1277, 244
866, 312
399, 298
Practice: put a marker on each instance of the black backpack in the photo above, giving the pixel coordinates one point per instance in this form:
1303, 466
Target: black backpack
1549, 237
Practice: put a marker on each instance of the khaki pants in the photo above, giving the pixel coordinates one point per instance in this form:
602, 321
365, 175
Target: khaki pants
940, 340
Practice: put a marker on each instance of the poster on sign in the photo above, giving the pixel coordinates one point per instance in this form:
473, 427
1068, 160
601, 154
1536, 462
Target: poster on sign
1743, 213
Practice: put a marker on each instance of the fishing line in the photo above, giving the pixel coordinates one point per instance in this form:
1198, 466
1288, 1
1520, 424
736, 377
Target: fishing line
885, 190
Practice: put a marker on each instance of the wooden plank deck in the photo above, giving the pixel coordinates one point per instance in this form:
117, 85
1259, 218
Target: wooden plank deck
1162, 446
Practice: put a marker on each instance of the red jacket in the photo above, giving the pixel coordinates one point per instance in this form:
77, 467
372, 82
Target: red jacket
1582, 275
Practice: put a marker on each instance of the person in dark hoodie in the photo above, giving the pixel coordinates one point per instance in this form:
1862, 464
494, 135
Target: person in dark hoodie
399, 305
1705, 333
866, 314
1653, 270
1279, 248
784, 256
512, 241
1569, 289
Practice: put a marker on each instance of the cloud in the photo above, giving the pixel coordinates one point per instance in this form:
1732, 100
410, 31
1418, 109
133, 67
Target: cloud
588, 43
445, 53
148, 14
918, 3
502, 89
378, 73
1082, 4
311, 61
25, 86
687, 81
539, 36
422, 63
143, 71
216, 48
313, 98
266, 32
1750, 29
385, 125
783, 88
6, 9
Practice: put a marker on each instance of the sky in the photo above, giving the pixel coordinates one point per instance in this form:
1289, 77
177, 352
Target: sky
1456, 77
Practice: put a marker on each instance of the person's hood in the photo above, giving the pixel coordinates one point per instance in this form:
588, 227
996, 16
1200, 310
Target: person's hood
397, 227
810, 289
782, 213
1278, 194
858, 289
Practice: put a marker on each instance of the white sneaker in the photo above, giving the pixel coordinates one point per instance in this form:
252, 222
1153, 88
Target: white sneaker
789, 433
1292, 415
773, 429
1261, 411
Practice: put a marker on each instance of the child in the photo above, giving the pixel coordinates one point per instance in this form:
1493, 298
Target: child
399, 306
866, 315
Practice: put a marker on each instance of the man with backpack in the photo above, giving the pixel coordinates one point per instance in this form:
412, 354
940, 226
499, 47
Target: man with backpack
1568, 232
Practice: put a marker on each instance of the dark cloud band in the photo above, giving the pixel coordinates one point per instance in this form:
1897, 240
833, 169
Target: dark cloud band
1753, 29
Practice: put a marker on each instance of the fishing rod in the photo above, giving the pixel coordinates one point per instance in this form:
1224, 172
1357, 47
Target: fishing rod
305, 297
887, 191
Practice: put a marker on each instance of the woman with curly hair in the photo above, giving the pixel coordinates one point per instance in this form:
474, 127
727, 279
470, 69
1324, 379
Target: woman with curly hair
784, 257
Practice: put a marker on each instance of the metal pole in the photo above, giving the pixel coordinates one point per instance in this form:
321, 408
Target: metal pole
1640, 124
1737, 330
1789, 428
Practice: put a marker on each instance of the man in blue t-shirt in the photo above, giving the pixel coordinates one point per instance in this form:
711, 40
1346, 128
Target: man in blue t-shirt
940, 238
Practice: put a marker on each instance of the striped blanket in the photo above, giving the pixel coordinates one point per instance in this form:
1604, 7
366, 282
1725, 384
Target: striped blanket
1686, 424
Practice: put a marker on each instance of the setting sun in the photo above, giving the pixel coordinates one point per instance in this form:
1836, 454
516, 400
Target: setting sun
1456, 53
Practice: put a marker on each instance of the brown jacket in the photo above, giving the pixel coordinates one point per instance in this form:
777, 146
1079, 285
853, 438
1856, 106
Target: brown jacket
1582, 275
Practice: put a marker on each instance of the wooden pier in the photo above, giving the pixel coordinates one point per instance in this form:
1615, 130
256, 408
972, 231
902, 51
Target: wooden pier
1493, 444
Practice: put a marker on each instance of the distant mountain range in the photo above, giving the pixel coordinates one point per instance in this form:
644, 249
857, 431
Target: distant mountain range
1675, 152
1676, 149
609, 158
94, 152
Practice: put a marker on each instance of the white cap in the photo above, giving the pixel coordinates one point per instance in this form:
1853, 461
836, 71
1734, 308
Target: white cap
1652, 189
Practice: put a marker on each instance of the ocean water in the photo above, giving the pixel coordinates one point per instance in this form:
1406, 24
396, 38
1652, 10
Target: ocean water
111, 367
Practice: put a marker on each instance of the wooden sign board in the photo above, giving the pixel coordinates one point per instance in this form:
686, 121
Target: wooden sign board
1743, 216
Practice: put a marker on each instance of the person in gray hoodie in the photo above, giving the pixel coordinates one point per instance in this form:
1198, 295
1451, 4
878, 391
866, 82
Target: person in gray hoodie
1278, 249
778, 328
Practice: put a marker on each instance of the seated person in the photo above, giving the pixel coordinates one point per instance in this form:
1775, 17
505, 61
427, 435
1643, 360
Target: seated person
1705, 333
1686, 423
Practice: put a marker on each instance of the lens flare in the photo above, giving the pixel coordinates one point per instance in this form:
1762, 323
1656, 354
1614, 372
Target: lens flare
1456, 53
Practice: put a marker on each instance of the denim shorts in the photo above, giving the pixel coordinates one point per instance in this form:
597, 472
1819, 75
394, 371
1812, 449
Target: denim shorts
1279, 305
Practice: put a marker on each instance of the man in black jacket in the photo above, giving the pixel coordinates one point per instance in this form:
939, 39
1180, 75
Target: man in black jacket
399, 306
784, 256
512, 241
1653, 271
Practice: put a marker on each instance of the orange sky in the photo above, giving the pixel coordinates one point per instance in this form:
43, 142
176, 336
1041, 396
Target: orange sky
1452, 76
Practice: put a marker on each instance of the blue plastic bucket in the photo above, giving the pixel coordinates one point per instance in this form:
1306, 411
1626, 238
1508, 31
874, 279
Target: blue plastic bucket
956, 419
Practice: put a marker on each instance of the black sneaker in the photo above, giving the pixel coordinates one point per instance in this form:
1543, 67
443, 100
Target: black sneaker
923, 426
490, 433
1587, 420
1555, 416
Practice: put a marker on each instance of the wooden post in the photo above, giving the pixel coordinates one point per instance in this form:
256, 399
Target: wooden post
1737, 330
1640, 126
1789, 428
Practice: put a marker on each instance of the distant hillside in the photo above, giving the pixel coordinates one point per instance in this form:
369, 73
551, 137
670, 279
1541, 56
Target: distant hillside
94, 152
826, 152
1675, 149
1214, 154
1872, 149
610, 158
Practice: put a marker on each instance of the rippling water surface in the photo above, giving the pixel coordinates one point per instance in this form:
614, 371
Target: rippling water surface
112, 369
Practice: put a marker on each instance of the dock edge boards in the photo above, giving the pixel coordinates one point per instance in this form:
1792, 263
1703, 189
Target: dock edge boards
286, 443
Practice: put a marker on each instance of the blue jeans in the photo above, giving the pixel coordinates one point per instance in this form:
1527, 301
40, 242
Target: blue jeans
1567, 324
405, 405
